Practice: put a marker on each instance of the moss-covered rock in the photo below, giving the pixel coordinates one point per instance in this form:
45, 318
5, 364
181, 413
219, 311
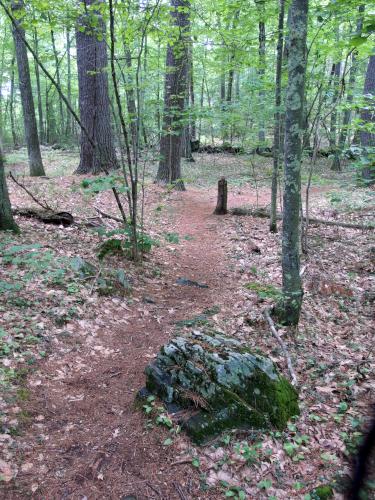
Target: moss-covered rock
221, 384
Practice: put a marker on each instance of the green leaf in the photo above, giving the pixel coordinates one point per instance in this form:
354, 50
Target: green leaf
168, 442
264, 484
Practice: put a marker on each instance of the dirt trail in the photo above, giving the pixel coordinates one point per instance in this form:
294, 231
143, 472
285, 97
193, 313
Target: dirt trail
83, 437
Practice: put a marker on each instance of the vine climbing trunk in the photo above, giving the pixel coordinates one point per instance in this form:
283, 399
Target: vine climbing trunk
289, 310
28, 109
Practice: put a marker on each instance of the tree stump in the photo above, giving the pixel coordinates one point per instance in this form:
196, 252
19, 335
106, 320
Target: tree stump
222, 197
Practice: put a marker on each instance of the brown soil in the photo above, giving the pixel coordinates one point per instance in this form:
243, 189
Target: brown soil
85, 438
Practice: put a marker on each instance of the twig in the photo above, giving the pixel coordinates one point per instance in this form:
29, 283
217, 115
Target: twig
179, 491
95, 280
181, 462
43, 205
154, 489
282, 345
108, 216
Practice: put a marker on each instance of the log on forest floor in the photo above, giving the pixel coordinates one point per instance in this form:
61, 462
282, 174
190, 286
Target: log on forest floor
211, 383
265, 213
46, 216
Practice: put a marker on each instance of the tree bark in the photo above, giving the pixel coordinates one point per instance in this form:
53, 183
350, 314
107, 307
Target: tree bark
222, 197
69, 120
368, 117
277, 126
11, 104
31, 130
169, 171
58, 80
6, 218
290, 308
94, 102
350, 88
38, 89
261, 72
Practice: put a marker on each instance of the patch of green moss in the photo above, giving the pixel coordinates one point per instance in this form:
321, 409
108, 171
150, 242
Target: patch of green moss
264, 291
23, 394
323, 492
110, 247
199, 320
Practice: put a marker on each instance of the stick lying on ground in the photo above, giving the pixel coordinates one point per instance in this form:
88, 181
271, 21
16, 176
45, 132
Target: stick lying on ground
108, 216
282, 345
262, 212
41, 204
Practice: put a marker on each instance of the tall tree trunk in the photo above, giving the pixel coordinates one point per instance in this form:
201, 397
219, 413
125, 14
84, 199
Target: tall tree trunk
130, 98
368, 117
69, 122
169, 171
336, 86
31, 130
6, 218
277, 126
292, 286
94, 105
187, 135
192, 95
11, 103
58, 80
261, 71
1, 80
336, 164
38, 89
350, 88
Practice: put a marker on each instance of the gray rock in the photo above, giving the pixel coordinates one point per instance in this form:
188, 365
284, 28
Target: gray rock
221, 384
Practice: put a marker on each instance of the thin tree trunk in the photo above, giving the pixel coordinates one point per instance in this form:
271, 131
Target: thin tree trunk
368, 117
6, 218
38, 89
261, 72
277, 127
31, 130
69, 121
1, 80
58, 80
11, 103
130, 97
336, 85
351, 85
292, 286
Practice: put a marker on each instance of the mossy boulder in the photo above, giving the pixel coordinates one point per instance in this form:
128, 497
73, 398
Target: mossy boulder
215, 383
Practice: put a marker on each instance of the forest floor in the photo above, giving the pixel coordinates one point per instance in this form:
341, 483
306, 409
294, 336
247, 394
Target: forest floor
73, 359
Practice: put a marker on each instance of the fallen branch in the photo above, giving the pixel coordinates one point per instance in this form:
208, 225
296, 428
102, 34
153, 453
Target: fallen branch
43, 205
262, 212
282, 345
108, 216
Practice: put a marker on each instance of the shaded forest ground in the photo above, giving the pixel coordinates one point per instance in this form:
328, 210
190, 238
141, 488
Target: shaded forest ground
73, 360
